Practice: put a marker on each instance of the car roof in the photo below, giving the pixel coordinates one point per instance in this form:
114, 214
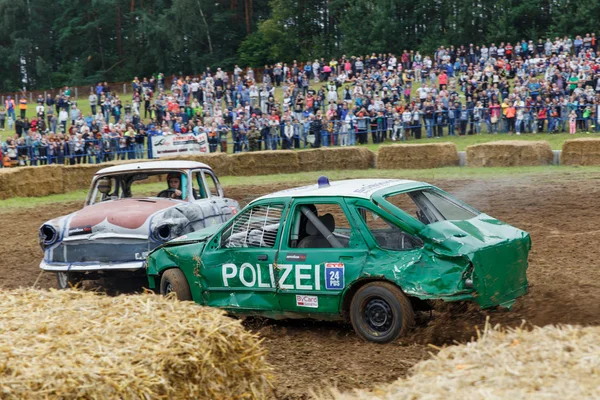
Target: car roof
360, 188
152, 165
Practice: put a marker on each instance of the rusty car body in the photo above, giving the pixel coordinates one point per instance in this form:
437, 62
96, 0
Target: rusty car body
127, 213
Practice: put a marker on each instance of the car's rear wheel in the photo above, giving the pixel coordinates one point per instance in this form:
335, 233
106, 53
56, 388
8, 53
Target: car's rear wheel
173, 280
380, 312
67, 280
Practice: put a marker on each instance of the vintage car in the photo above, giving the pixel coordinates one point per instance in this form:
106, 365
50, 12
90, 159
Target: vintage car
131, 209
370, 251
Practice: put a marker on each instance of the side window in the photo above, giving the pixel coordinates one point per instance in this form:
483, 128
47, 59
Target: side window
386, 234
212, 184
198, 185
319, 226
255, 227
429, 206
450, 210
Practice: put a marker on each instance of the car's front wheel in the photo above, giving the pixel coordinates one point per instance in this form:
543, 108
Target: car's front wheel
380, 312
67, 280
173, 280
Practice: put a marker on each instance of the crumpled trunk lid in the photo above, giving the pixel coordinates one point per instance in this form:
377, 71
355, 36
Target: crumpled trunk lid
500, 273
497, 251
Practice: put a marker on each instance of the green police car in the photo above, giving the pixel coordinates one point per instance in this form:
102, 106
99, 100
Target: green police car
371, 251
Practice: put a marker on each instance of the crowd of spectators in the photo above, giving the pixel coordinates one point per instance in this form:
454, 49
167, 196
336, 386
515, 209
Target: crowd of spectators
526, 87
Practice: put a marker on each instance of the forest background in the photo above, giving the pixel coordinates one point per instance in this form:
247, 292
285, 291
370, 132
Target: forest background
46, 44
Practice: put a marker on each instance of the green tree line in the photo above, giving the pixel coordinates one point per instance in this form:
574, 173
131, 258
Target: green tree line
50, 43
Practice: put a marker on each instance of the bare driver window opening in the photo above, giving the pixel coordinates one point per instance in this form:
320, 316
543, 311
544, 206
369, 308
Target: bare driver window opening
386, 234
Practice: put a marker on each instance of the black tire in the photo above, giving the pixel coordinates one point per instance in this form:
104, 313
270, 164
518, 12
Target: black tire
68, 280
381, 313
173, 280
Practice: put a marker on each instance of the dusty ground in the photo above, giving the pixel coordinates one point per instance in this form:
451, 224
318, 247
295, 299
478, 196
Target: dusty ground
561, 215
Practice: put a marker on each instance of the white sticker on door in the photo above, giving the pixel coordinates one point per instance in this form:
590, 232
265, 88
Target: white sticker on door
307, 301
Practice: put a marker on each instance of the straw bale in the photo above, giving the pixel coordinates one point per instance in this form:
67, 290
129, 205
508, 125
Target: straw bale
510, 153
417, 156
8, 180
73, 344
584, 151
47, 180
310, 160
31, 181
221, 163
265, 163
546, 363
78, 177
336, 158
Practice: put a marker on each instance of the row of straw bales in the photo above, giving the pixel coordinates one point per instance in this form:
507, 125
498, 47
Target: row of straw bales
47, 180
545, 363
80, 345
55, 179
501, 153
286, 161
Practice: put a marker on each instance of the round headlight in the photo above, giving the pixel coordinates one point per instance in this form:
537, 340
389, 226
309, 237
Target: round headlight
47, 236
163, 232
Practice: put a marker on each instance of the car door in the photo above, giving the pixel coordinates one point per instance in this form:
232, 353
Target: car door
238, 262
227, 207
314, 267
396, 251
208, 196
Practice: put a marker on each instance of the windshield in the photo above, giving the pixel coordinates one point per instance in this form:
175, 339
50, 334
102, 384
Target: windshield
429, 206
165, 184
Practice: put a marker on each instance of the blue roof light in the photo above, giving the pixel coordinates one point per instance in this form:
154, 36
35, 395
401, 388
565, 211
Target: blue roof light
323, 181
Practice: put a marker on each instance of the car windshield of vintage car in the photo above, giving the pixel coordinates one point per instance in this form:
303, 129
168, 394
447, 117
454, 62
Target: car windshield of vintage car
429, 206
172, 185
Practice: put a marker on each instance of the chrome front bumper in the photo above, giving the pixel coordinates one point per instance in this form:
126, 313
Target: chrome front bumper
92, 266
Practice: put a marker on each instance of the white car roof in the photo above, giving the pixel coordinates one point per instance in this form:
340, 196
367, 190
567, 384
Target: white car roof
151, 165
361, 188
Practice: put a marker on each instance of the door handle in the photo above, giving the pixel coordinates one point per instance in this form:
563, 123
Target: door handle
346, 258
262, 257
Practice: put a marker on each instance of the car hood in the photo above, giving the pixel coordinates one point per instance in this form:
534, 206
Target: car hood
497, 251
123, 216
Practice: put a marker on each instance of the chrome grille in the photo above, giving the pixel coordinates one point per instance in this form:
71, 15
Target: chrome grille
101, 251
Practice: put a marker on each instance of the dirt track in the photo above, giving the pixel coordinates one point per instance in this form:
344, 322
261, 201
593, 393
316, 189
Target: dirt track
562, 217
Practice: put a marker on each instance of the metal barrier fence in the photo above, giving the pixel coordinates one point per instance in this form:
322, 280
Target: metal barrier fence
295, 136
90, 152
